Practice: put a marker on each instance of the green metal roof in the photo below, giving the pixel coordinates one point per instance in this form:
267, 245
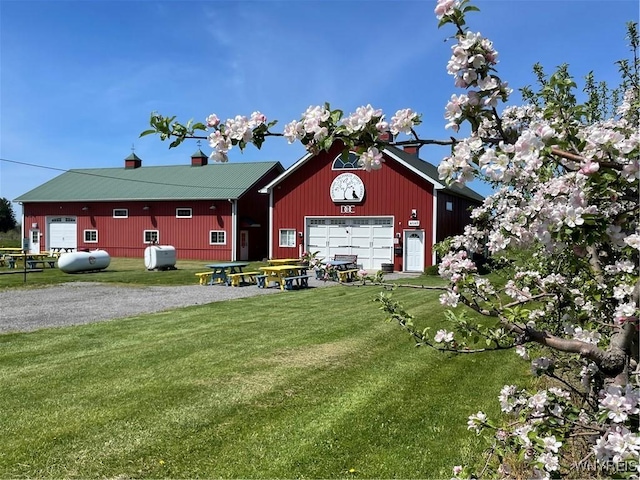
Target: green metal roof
217, 181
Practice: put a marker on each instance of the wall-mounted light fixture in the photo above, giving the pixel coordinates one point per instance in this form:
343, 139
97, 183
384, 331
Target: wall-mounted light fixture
145, 208
212, 207
398, 235
300, 234
414, 213
85, 208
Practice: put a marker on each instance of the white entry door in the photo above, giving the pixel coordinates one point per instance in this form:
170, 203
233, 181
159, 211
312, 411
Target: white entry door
414, 251
244, 245
34, 240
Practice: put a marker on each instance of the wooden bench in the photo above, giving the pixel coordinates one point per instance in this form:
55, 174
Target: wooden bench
348, 275
35, 263
301, 281
204, 277
353, 259
234, 279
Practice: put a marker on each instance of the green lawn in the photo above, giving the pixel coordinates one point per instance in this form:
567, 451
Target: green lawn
306, 384
120, 270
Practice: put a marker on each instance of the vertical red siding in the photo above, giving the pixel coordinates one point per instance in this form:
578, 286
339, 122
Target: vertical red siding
255, 205
124, 237
391, 191
453, 222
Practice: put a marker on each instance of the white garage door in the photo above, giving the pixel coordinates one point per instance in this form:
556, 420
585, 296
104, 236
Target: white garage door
371, 238
63, 233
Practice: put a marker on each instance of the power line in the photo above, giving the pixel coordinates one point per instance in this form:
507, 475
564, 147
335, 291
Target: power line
149, 182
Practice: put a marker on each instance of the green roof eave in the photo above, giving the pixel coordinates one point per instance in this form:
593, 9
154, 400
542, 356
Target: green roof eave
176, 182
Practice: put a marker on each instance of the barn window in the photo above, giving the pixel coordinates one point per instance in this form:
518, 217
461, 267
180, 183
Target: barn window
91, 236
151, 236
449, 206
184, 213
217, 237
287, 238
351, 162
120, 213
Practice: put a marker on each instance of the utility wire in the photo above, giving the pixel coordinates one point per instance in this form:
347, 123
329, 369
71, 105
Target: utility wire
111, 177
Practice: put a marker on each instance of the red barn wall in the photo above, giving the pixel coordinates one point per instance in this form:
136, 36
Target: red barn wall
255, 206
391, 191
453, 222
123, 237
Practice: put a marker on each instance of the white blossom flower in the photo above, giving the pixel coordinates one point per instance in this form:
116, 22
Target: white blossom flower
213, 120
522, 351
541, 365
450, 299
506, 398
359, 120
620, 403
560, 393
476, 421
538, 401
550, 444
617, 444
549, 461
293, 131
372, 159
403, 121
633, 241
446, 7
443, 336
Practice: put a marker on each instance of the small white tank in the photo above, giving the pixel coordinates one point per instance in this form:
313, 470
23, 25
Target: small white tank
162, 257
90, 261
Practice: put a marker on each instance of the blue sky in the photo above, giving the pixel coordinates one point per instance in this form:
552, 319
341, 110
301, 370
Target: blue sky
79, 79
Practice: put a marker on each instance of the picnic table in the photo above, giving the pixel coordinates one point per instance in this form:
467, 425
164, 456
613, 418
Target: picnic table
343, 268
57, 251
9, 250
5, 257
283, 261
32, 260
221, 271
286, 276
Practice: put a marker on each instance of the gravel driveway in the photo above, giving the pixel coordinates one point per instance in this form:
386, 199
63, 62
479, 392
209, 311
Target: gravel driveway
86, 302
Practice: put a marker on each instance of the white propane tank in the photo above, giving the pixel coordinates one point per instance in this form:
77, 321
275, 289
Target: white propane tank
90, 261
162, 257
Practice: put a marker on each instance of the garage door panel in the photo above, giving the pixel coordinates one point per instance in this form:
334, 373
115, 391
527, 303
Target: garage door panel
63, 232
317, 239
371, 238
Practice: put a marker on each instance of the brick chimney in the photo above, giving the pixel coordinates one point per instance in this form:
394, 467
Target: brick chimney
386, 136
132, 161
412, 149
199, 159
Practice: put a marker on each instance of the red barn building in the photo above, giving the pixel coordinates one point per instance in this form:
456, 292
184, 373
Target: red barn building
206, 212
327, 204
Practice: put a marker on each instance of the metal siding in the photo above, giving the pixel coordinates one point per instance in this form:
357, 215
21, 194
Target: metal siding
453, 223
391, 191
123, 237
255, 205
